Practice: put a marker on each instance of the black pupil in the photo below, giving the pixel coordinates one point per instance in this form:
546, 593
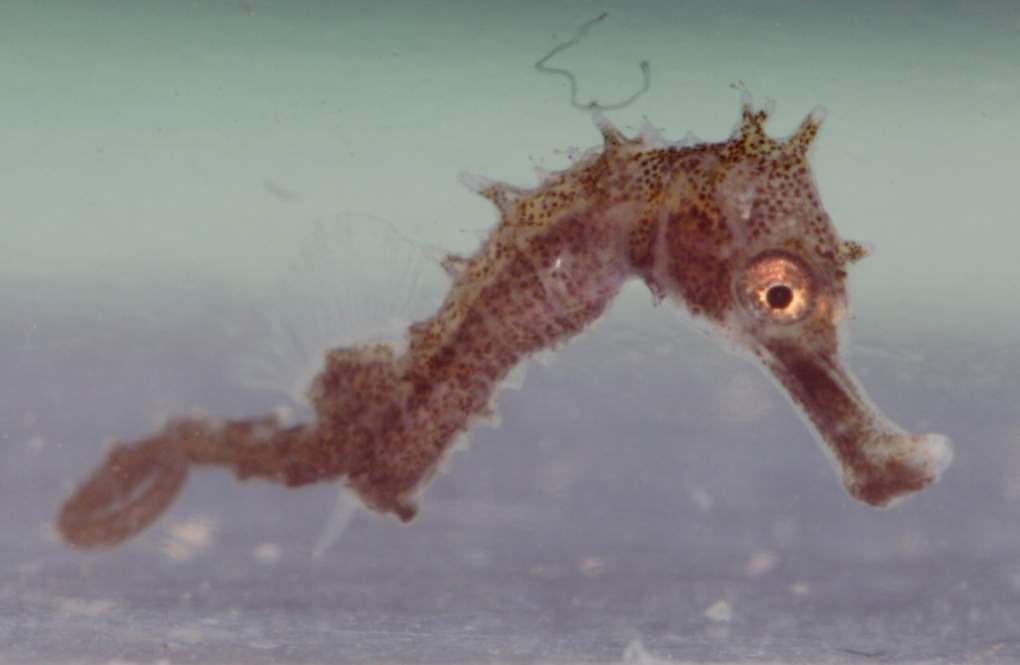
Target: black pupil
779, 296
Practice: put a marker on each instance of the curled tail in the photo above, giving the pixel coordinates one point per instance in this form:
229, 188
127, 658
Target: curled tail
130, 490
362, 434
139, 481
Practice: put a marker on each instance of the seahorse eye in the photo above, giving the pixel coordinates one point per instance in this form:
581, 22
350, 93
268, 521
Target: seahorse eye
777, 287
779, 296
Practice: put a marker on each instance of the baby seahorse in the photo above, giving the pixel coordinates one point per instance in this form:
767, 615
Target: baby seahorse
733, 230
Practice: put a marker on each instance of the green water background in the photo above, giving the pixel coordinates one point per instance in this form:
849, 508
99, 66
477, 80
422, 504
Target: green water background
158, 147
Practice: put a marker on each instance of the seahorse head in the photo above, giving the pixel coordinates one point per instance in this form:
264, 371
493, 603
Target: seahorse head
748, 247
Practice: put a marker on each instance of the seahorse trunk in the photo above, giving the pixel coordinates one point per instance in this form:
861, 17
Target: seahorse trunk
392, 419
385, 421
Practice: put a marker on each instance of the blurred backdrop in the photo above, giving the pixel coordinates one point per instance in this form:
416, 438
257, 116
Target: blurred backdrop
647, 495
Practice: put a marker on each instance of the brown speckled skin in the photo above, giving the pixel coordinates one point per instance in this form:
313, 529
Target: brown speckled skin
687, 219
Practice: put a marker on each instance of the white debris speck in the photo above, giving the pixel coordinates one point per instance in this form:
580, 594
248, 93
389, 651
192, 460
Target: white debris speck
284, 415
186, 634
760, 563
592, 566
720, 611
186, 539
267, 553
636, 654
698, 495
